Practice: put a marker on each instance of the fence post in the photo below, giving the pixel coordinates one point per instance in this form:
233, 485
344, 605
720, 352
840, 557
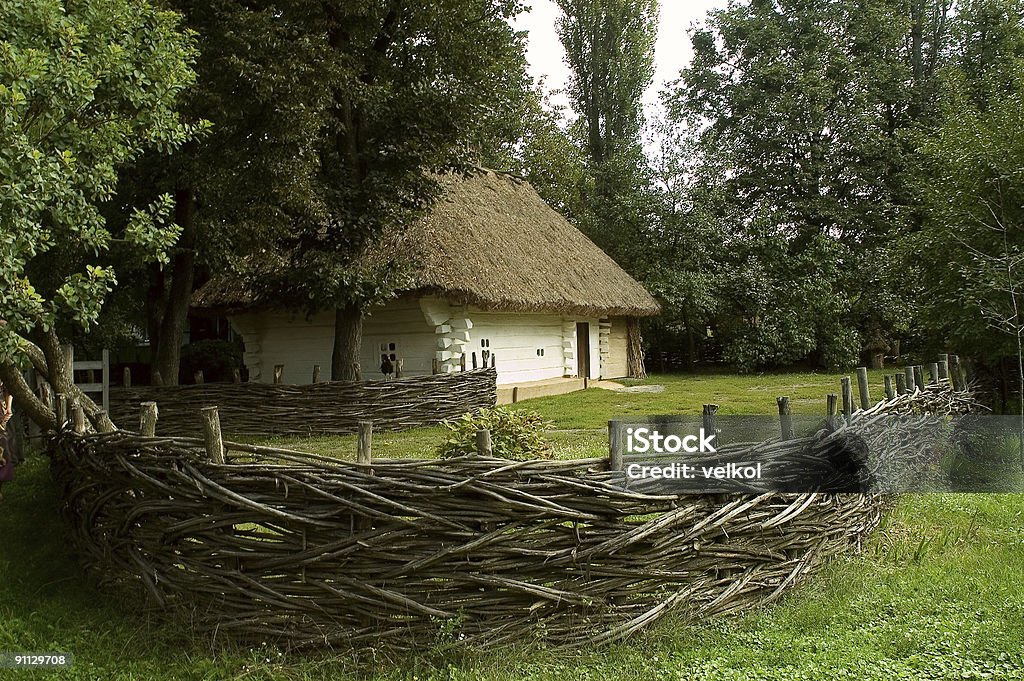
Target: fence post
278, 374
483, 442
614, 446
198, 377
933, 372
236, 375
831, 410
316, 373
473, 357
211, 434
515, 394
492, 360
847, 398
77, 417
862, 387
365, 451
889, 391
434, 366
785, 417
901, 384
61, 410
156, 379
943, 369
126, 378
908, 373
919, 376
147, 419
400, 367
708, 419
462, 362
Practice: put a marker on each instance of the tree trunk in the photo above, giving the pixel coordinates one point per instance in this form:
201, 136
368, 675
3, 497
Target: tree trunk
167, 345
348, 335
25, 401
634, 350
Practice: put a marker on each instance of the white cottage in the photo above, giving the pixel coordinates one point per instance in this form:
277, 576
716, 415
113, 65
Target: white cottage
499, 274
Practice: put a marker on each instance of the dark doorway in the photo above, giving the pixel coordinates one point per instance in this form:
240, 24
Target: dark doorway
583, 349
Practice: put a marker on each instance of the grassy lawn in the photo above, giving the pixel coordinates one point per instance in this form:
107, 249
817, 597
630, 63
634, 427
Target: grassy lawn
938, 593
580, 419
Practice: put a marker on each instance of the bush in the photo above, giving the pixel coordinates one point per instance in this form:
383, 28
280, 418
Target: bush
515, 434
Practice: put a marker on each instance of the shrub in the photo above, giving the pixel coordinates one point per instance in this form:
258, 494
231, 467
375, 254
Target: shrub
515, 434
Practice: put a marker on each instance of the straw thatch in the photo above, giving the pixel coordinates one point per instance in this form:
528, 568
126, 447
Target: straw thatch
492, 241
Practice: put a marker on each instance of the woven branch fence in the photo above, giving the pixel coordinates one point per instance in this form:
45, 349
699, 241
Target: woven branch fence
334, 407
302, 550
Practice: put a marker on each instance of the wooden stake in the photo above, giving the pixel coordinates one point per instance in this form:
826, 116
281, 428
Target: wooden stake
399, 367
62, 410
278, 374
462, 362
492, 360
919, 376
126, 378
156, 378
316, 373
435, 366
474, 360
847, 398
365, 451
908, 373
483, 443
211, 434
236, 375
901, 384
614, 446
709, 419
785, 417
943, 369
889, 391
147, 419
198, 377
831, 410
515, 394
77, 417
862, 387
933, 372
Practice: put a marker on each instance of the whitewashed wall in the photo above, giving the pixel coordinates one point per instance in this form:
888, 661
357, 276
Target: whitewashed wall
279, 338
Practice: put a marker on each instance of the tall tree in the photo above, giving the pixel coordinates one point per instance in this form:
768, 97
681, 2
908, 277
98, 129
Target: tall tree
609, 46
802, 106
396, 92
84, 88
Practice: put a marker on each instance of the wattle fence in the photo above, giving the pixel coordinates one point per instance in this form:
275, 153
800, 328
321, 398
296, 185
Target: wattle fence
302, 550
334, 407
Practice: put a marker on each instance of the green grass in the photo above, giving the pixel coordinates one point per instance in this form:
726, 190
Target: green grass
580, 419
938, 593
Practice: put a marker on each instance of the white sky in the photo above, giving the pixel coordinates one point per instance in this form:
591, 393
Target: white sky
672, 51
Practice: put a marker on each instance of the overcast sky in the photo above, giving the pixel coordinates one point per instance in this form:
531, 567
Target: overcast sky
672, 52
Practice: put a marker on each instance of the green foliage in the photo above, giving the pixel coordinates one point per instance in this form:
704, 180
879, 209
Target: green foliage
84, 88
515, 434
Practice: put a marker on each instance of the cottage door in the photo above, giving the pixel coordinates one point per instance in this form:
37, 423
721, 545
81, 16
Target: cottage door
583, 349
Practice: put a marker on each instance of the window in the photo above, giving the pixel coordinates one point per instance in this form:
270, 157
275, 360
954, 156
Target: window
485, 342
540, 352
387, 350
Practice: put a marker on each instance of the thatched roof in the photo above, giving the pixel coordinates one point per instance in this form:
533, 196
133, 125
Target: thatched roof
491, 241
